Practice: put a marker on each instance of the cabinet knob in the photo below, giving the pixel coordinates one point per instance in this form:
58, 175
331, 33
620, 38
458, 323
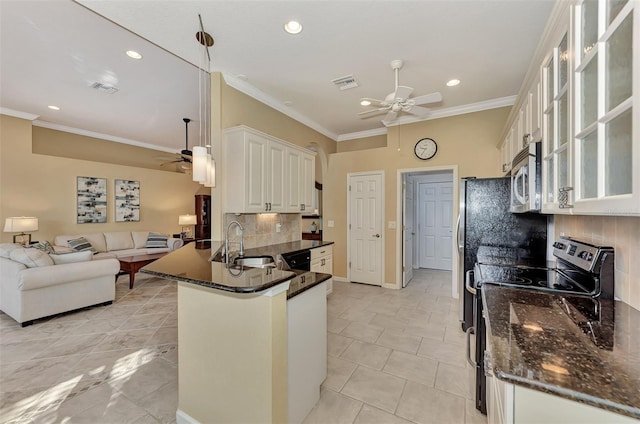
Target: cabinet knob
376, 235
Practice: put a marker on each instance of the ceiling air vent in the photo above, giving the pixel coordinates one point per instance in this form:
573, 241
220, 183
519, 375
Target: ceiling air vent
346, 82
104, 88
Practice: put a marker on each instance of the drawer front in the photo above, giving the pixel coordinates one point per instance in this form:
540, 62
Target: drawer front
321, 252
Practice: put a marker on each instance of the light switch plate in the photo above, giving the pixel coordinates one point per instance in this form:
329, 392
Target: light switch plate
330, 223
392, 224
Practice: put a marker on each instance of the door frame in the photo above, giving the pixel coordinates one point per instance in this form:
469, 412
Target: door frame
384, 238
454, 215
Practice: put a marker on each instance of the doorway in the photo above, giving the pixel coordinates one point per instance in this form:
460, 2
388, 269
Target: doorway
427, 206
365, 211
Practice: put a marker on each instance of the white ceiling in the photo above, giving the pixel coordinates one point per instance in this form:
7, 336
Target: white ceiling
51, 51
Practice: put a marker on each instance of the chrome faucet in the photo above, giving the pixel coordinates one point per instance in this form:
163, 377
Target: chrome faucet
226, 241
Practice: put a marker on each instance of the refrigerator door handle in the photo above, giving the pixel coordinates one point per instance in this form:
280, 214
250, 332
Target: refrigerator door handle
460, 245
467, 282
468, 334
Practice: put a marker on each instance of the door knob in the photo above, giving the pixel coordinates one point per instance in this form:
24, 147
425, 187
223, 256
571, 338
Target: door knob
376, 235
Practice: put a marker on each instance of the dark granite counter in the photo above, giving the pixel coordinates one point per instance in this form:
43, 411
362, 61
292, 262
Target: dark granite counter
191, 264
542, 341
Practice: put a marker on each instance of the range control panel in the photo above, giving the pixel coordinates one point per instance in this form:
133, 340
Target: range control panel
581, 254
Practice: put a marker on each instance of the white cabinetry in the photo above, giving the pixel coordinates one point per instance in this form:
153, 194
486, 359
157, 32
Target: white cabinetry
301, 181
510, 404
265, 174
590, 125
322, 261
306, 350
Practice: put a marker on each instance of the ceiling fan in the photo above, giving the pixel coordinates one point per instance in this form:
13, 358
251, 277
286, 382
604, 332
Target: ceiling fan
399, 101
184, 159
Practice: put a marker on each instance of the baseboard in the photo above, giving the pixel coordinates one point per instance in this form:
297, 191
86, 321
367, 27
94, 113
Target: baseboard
341, 279
184, 418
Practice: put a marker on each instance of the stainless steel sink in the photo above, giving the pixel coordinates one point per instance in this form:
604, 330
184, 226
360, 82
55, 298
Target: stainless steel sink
255, 261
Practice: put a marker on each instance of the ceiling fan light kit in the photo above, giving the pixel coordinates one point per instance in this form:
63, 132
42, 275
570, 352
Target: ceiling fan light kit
399, 100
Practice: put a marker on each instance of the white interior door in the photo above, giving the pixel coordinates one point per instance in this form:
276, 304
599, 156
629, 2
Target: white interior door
408, 231
435, 201
366, 220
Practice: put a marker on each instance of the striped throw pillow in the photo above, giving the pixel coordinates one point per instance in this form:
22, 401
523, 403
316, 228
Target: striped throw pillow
45, 246
157, 240
80, 244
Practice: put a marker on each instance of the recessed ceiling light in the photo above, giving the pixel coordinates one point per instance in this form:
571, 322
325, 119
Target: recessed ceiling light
293, 27
242, 77
52, 107
288, 103
134, 54
453, 82
365, 102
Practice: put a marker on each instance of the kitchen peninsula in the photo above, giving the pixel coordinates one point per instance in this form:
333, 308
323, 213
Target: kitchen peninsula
251, 341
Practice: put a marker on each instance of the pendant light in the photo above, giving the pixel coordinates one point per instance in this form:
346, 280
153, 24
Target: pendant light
203, 163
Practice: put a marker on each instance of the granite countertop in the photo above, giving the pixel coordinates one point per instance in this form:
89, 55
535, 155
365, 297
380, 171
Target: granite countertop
191, 264
534, 342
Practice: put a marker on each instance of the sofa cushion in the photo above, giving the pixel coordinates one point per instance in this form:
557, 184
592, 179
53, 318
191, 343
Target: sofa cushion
31, 258
7, 248
118, 240
139, 239
45, 246
69, 258
96, 240
79, 244
157, 240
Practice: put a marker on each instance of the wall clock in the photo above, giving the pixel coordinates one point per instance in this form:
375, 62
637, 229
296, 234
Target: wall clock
426, 148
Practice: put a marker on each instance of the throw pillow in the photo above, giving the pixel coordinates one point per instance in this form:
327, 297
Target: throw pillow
155, 240
81, 244
6, 248
45, 246
69, 258
32, 258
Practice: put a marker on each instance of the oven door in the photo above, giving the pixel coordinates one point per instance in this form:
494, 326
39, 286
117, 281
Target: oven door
525, 181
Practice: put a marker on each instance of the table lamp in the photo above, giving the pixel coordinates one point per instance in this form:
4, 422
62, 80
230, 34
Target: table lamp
21, 224
185, 221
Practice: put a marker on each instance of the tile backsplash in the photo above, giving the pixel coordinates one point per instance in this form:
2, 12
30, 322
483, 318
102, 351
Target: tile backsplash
261, 229
621, 232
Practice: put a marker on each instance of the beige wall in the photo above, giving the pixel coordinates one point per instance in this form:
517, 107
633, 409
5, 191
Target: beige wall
466, 141
621, 232
363, 143
45, 186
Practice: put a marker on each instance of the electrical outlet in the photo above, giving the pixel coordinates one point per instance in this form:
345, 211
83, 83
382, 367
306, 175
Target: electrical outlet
330, 223
278, 227
238, 231
392, 225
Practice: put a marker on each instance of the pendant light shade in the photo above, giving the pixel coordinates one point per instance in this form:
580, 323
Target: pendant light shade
199, 164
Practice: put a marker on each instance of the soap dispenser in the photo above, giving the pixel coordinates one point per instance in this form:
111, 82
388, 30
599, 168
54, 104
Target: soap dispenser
314, 227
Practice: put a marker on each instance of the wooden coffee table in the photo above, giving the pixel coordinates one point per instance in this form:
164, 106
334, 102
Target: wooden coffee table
132, 264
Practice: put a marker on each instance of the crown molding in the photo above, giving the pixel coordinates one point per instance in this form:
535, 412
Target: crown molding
361, 134
253, 92
456, 110
18, 114
107, 137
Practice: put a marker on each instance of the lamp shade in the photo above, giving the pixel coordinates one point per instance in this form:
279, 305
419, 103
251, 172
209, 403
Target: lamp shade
199, 168
187, 220
20, 224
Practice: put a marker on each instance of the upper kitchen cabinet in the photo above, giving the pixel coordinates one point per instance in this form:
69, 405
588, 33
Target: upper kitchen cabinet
265, 174
606, 149
555, 117
590, 130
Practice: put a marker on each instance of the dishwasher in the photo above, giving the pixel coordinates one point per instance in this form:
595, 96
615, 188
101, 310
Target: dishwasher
300, 259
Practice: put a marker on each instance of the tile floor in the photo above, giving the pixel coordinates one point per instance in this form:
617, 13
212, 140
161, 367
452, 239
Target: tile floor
394, 357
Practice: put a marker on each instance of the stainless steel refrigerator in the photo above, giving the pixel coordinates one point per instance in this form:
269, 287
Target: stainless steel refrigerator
485, 222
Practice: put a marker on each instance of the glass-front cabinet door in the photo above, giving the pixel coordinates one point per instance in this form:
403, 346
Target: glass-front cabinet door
556, 164
606, 145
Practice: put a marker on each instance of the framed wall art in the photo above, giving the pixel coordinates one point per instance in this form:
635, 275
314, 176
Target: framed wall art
127, 200
91, 200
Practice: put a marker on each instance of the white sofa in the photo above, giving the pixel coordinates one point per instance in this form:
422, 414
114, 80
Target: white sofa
118, 244
36, 290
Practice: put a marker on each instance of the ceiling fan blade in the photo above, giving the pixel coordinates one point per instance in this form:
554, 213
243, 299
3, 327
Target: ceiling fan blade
372, 112
427, 98
170, 162
402, 92
418, 110
375, 102
391, 116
